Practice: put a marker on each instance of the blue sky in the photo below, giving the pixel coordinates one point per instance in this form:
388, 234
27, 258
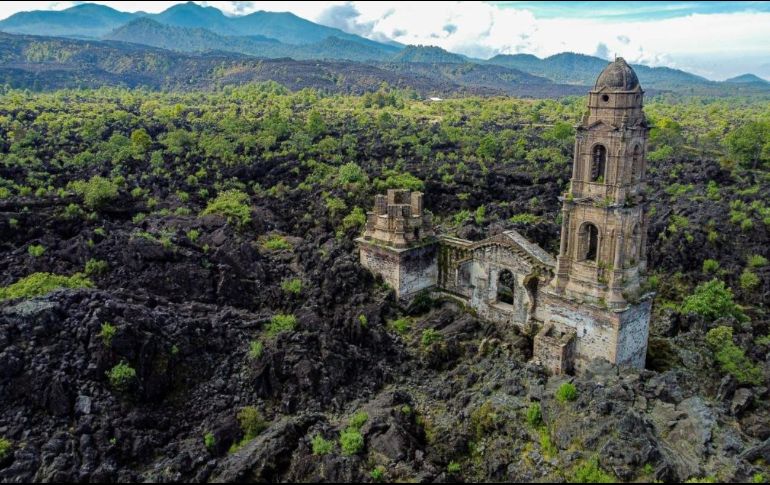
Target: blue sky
716, 40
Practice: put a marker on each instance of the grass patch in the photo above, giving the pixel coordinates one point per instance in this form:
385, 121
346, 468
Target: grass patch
590, 472
730, 357
107, 332
35, 250
351, 441
38, 284
293, 285
281, 323
322, 446
233, 205
276, 242
96, 266
255, 349
121, 376
567, 392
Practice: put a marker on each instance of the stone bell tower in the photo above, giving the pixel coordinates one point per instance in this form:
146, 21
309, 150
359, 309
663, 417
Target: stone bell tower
602, 250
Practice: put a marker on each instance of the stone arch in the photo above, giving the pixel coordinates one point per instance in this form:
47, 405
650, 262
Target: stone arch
598, 162
588, 242
506, 286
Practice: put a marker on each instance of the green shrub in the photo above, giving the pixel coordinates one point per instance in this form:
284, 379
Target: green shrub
276, 242
401, 325
757, 261
712, 300
547, 448
322, 446
758, 478
358, 420
107, 332
567, 392
730, 357
193, 235
525, 218
453, 467
121, 376
96, 193
281, 323
5, 448
356, 219
362, 320
749, 280
95, 266
710, 266
38, 284
209, 441
377, 474
351, 173
293, 285
480, 215
233, 205
534, 414
400, 181
35, 250
351, 441
589, 472
251, 421
430, 336
255, 349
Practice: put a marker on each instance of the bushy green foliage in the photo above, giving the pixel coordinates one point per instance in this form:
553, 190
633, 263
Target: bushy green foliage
401, 325
293, 285
96, 267
453, 467
400, 181
748, 280
5, 448
566, 392
35, 250
430, 336
710, 266
354, 220
749, 144
121, 376
38, 284
756, 261
107, 331
335, 205
96, 192
251, 421
255, 349
534, 414
730, 357
712, 300
193, 235
233, 205
276, 242
281, 323
590, 472
351, 173
547, 448
525, 218
322, 446
378, 473
209, 441
351, 441
358, 419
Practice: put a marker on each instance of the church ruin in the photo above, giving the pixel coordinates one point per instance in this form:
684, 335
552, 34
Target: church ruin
586, 302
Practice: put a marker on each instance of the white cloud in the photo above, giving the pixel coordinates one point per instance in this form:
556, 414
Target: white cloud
481, 29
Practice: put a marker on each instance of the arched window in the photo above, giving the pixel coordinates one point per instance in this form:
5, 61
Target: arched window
636, 163
588, 245
505, 286
598, 162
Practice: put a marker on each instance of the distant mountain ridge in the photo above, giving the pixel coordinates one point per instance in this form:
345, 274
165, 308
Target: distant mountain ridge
194, 29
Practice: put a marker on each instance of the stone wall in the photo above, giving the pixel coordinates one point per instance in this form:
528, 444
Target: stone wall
634, 333
407, 271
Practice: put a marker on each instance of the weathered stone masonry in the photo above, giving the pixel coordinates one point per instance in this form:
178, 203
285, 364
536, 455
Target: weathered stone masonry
586, 303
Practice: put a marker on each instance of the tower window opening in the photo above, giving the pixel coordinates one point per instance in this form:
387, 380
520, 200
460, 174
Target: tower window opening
505, 286
598, 162
605, 98
589, 242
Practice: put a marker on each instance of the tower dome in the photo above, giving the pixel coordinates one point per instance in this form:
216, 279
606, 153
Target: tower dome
617, 76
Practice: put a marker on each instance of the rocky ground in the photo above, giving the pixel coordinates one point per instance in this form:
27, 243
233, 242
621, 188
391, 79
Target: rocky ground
455, 408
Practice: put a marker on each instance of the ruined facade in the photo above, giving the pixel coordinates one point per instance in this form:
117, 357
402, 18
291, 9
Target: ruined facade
584, 304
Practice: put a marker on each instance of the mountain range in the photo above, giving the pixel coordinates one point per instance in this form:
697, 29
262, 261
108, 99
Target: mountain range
194, 30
